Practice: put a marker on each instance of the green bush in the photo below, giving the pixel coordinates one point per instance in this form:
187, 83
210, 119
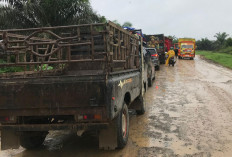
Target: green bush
226, 50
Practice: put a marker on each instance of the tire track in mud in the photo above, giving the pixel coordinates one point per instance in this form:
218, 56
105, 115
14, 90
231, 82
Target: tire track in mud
191, 114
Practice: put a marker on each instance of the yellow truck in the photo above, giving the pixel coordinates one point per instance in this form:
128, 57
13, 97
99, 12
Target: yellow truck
187, 48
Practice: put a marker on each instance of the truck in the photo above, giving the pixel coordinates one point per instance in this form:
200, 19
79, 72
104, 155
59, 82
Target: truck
161, 43
187, 48
148, 58
168, 43
79, 78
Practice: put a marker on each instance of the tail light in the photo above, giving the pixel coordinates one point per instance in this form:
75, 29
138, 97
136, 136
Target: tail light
7, 119
155, 55
88, 117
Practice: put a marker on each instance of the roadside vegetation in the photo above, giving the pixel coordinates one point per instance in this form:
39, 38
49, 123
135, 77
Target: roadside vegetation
46, 13
223, 42
218, 51
224, 59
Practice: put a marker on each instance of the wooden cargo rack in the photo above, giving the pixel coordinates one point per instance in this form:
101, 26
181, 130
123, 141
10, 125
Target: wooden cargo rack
103, 47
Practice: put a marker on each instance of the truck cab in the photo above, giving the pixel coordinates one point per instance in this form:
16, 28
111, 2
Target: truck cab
186, 48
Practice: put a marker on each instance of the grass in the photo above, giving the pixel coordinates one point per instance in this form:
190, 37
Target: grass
224, 59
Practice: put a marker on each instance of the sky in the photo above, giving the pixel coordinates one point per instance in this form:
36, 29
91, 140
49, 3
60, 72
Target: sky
181, 18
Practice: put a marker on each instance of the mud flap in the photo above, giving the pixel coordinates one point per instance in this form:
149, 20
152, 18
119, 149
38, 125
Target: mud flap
9, 140
108, 137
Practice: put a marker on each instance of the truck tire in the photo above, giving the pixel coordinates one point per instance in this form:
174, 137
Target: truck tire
157, 67
142, 103
149, 80
123, 127
31, 140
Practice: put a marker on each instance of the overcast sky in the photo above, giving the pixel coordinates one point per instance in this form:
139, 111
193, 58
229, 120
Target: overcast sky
182, 18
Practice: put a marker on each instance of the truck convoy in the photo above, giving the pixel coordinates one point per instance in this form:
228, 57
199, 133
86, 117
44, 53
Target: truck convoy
161, 43
79, 78
187, 48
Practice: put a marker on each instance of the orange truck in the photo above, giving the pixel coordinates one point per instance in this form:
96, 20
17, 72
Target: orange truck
186, 48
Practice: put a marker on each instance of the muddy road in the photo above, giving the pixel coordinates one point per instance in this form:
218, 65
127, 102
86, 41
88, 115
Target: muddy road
189, 114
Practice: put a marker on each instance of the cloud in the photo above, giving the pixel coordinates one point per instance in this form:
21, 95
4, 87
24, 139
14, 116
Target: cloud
182, 18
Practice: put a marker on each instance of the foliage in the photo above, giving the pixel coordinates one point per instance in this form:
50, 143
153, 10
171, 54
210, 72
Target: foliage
221, 38
174, 38
37, 13
227, 50
127, 24
9, 69
229, 42
221, 42
116, 22
45, 67
221, 58
204, 44
102, 19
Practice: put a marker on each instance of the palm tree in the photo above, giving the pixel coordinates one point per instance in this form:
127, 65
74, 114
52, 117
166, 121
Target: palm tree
221, 38
38, 13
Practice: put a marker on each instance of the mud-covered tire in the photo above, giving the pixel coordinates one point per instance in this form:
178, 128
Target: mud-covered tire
157, 68
123, 127
32, 140
142, 107
149, 80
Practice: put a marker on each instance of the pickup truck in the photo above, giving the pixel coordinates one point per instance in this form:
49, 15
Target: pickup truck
154, 57
79, 78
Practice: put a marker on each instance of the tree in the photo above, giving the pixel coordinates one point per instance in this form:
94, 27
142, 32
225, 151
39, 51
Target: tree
116, 22
221, 38
38, 13
174, 38
205, 44
102, 19
229, 42
127, 24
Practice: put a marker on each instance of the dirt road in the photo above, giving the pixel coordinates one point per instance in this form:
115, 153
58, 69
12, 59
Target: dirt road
189, 114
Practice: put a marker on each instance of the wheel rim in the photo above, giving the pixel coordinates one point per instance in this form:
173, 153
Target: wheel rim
124, 124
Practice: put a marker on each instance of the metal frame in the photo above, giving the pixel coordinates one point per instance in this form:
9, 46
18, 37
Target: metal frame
65, 47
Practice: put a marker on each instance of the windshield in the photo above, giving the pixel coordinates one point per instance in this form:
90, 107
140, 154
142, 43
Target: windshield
152, 51
187, 46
